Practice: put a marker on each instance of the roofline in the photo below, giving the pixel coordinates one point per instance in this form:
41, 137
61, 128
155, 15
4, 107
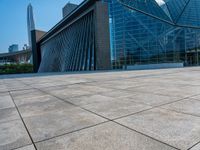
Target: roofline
67, 18
86, 4
71, 3
14, 53
158, 18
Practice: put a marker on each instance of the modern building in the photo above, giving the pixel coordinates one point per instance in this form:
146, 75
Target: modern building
161, 32
25, 47
22, 56
13, 48
31, 29
123, 34
78, 42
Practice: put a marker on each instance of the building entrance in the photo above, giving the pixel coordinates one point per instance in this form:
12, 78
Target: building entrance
193, 58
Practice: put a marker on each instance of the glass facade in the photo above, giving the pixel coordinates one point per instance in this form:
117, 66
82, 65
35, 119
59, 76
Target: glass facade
154, 32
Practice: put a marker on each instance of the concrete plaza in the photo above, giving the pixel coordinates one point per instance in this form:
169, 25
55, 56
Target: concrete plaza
117, 110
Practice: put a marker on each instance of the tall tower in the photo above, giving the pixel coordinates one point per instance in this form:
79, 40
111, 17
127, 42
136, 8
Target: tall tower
30, 22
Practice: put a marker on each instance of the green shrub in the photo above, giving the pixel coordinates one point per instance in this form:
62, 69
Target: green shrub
16, 68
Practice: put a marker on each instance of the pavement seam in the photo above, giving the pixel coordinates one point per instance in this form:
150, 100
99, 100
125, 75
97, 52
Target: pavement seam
68, 102
168, 70
23, 122
112, 120
152, 107
160, 106
129, 90
139, 76
193, 145
60, 135
118, 79
105, 117
65, 101
18, 90
107, 120
112, 97
21, 147
179, 112
145, 135
10, 121
185, 98
193, 98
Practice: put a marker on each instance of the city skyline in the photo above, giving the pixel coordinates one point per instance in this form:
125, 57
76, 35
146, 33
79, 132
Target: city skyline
14, 26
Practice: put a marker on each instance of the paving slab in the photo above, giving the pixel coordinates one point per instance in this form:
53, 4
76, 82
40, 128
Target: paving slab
197, 97
89, 99
154, 110
180, 91
65, 92
6, 101
119, 94
28, 96
8, 114
92, 88
58, 122
107, 136
196, 147
152, 89
15, 85
13, 135
3, 88
29, 147
118, 84
188, 106
153, 99
167, 90
42, 105
180, 130
116, 108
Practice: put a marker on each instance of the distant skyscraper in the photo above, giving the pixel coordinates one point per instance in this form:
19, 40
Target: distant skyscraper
68, 8
30, 22
13, 48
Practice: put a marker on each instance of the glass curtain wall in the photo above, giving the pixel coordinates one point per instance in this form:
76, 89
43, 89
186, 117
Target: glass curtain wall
148, 34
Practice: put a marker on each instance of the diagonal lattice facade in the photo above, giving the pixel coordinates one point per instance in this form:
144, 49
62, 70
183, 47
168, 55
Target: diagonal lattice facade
76, 48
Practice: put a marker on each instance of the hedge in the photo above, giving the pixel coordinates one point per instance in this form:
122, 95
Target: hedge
16, 68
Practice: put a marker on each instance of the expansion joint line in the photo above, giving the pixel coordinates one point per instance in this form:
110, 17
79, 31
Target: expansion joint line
23, 121
108, 119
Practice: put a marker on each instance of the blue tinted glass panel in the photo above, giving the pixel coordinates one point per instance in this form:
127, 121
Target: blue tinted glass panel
137, 38
191, 14
176, 8
147, 6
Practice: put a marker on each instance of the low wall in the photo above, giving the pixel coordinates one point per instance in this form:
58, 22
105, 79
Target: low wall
155, 66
